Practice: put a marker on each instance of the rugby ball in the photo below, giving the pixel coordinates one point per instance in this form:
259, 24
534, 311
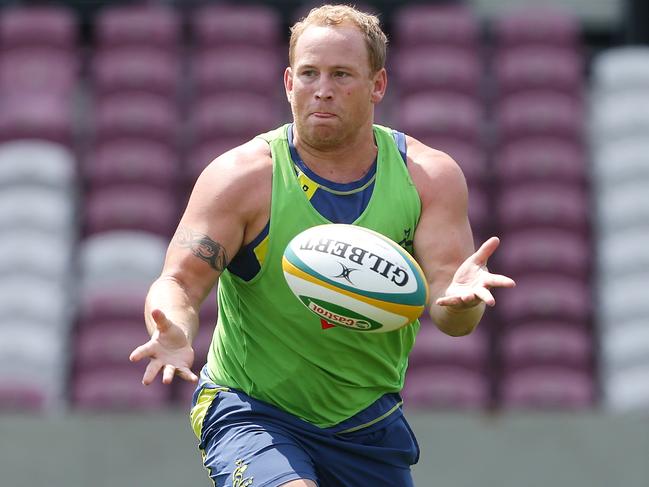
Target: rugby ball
355, 278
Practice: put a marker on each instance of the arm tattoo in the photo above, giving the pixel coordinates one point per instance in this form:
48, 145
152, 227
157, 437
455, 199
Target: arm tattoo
202, 247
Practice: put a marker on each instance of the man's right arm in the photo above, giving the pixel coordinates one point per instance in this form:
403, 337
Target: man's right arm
219, 218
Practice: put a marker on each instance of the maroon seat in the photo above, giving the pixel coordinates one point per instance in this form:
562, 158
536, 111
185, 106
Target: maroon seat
235, 24
113, 304
448, 115
546, 297
471, 158
117, 388
438, 68
480, 215
133, 68
541, 159
38, 70
252, 68
136, 115
433, 347
131, 207
154, 25
436, 25
21, 397
543, 24
539, 67
203, 153
534, 251
546, 343
36, 116
54, 26
539, 114
234, 114
108, 343
132, 161
547, 205
547, 388
445, 387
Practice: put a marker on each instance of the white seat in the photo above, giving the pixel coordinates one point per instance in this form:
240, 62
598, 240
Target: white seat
621, 161
624, 345
622, 206
32, 251
622, 299
30, 297
623, 252
34, 361
37, 162
47, 209
29, 343
621, 69
121, 258
627, 390
622, 115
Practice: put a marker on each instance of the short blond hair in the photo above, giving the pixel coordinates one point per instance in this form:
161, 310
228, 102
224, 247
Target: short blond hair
334, 15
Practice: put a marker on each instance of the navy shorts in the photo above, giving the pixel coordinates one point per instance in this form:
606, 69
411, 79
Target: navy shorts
249, 443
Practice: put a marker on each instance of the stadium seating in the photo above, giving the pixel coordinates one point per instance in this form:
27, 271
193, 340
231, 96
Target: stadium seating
154, 25
543, 25
619, 129
104, 129
548, 388
131, 161
136, 68
54, 26
229, 25
435, 25
137, 207
424, 68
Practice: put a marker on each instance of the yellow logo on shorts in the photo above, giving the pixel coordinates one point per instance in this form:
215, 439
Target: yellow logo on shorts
239, 472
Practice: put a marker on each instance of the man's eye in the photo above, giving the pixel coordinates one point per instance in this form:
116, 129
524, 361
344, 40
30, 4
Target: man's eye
341, 74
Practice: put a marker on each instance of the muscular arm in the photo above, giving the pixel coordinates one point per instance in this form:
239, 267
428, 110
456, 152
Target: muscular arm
181, 293
222, 214
443, 238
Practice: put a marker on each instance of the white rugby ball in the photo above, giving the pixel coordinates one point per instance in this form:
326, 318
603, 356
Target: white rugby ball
356, 278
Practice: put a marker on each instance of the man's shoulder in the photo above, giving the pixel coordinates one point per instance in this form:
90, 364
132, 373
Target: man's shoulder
432, 163
251, 159
436, 175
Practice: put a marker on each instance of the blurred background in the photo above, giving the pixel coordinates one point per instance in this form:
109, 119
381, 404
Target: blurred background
109, 110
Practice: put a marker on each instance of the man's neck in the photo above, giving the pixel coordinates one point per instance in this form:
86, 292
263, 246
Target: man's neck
346, 163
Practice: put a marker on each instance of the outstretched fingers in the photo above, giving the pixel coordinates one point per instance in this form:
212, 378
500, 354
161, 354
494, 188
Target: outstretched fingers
186, 374
486, 250
498, 280
141, 352
151, 371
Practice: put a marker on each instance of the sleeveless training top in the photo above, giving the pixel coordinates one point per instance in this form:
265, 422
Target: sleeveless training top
270, 346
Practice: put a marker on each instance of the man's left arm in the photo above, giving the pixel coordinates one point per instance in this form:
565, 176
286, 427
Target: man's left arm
457, 275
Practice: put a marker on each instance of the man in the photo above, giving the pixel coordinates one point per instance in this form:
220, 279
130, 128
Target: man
284, 400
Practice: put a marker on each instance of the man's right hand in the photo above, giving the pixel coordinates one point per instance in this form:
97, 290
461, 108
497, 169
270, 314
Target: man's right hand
168, 350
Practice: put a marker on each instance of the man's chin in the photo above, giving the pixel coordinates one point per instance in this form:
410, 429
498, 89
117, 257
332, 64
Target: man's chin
322, 136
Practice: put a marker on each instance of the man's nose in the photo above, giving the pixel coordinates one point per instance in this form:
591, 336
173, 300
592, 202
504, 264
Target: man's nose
325, 88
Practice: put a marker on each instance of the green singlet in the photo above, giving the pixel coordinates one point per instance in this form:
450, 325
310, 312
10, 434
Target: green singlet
270, 346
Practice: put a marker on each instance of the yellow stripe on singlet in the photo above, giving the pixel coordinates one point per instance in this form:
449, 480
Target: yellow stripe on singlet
261, 250
309, 186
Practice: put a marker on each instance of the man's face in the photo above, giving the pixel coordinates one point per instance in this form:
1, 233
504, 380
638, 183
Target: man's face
330, 85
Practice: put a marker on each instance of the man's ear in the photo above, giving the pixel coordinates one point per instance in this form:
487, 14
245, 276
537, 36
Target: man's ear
288, 83
380, 83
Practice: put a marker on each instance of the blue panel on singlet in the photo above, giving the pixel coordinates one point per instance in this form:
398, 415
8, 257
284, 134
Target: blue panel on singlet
337, 202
